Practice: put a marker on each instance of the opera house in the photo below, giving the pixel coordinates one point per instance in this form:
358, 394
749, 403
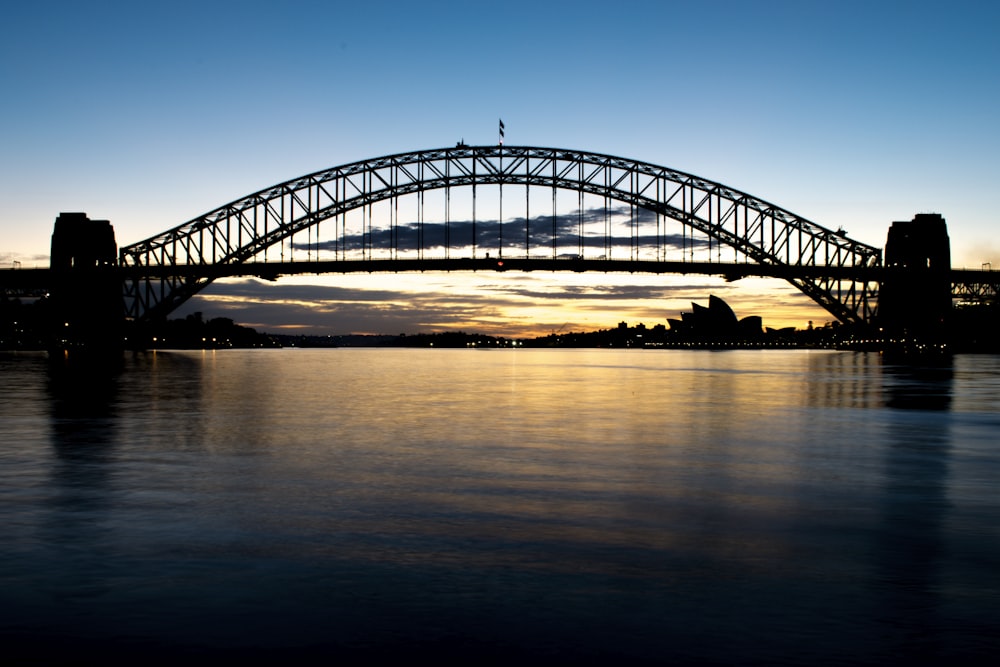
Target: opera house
717, 322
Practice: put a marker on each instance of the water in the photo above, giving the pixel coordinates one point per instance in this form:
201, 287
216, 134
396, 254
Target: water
507, 506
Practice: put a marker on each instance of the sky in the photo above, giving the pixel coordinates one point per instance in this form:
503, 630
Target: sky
850, 114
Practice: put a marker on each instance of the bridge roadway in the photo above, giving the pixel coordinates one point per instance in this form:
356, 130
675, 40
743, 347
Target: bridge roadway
34, 281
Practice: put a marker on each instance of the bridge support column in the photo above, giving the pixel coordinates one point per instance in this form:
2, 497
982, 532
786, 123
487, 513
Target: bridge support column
915, 297
86, 299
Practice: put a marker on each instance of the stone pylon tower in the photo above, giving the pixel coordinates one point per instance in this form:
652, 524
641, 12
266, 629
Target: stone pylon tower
86, 300
915, 297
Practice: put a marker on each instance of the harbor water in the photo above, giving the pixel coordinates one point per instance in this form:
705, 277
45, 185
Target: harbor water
515, 506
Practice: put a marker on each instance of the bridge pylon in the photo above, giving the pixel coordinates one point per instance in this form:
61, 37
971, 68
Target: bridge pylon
85, 302
915, 296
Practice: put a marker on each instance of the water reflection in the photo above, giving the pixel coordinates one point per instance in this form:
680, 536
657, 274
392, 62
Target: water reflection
83, 392
910, 546
844, 380
164, 400
732, 507
869, 380
919, 386
83, 386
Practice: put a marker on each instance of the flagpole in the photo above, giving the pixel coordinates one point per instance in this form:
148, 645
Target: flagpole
501, 189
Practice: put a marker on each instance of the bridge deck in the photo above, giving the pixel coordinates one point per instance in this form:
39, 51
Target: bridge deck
27, 280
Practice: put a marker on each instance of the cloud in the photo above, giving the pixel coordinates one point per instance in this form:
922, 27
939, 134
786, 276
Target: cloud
9, 259
594, 228
257, 290
333, 309
616, 292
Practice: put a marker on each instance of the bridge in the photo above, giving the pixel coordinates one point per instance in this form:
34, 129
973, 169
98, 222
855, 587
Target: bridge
496, 208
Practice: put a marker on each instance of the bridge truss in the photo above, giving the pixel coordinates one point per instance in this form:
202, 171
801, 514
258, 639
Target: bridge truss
977, 288
371, 228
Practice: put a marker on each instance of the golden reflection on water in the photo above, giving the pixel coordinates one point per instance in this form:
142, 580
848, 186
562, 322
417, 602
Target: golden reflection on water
844, 380
521, 447
678, 497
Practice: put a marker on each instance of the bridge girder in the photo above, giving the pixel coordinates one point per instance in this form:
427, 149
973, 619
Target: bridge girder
981, 287
758, 231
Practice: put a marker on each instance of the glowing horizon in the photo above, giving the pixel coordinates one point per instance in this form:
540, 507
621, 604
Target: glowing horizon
509, 304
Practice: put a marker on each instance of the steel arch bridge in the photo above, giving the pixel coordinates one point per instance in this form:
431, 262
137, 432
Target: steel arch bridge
837, 272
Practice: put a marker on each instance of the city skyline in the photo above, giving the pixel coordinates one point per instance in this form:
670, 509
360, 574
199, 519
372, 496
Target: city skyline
850, 116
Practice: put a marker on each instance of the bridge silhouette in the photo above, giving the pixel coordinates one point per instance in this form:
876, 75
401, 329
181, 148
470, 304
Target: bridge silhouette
470, 208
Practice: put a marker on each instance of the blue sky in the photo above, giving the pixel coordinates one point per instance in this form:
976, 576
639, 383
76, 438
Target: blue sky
851, 114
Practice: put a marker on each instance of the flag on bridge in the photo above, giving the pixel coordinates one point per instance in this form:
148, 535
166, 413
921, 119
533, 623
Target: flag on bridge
501, 131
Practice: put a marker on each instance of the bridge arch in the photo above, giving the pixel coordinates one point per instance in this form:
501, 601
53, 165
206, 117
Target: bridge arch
165, 270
